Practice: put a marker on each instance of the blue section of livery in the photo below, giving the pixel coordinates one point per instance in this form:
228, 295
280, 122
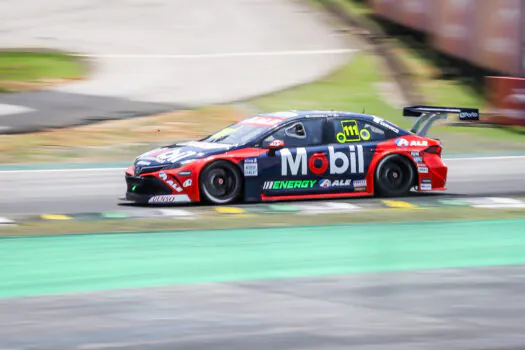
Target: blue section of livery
310, 170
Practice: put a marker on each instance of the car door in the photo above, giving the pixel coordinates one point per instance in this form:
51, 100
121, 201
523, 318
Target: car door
351, 150
297, 168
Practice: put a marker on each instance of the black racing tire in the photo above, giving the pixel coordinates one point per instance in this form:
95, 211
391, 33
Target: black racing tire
394, 176
220, 182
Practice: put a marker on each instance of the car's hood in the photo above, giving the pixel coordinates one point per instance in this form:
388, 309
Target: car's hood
176, 155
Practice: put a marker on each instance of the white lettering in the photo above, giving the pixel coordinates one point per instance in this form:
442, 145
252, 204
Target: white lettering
418, 143
334, 156
352, 160
338, 162
294, 164
360, 159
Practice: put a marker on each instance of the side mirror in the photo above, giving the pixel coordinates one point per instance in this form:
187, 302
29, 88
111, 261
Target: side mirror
275, 145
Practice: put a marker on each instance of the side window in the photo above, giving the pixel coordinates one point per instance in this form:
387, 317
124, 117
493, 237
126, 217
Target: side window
357, 130
306, 132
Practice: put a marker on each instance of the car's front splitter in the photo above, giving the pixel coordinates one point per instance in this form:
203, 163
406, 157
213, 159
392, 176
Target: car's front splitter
157, 199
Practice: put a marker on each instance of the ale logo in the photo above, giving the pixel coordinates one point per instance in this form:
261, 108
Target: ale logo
405, 143
335, 163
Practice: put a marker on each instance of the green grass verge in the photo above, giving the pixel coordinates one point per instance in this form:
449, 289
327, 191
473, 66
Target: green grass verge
350, 88
24, 70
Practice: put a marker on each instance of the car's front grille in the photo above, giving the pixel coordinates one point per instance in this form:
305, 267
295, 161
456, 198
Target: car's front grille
146, 185
148, 169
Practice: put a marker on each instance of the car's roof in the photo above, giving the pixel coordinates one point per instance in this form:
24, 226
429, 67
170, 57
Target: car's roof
296, 114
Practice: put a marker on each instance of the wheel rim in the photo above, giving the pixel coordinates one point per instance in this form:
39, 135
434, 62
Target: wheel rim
393, 176
220, 183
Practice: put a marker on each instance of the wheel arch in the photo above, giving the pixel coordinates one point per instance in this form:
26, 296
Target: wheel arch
203, 167
410, 161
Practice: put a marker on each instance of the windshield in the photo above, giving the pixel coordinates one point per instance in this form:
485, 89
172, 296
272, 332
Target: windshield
243, 131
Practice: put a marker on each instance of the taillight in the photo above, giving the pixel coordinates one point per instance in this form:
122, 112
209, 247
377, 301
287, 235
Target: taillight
434, 150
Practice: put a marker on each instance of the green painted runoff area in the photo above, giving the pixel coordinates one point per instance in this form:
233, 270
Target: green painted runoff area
61, 264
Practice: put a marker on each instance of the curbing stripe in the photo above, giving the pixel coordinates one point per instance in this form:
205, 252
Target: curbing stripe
115, 215
55, 217
6, 221
230, 210
328, 207
493, 203
177, 213
399, 204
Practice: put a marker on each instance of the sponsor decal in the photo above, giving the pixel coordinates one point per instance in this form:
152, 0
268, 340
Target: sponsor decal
422, 170
325, 183
415, 154
418, 159
174, 156
289, 185
386, 125
468, 116
185, 173
419, 143
250, 167
154, 153
262, 121
360, 183
170, 198
405, 143
204, 145
187, 183
401, 143
164, 177
319, 163
426, 184
143, 163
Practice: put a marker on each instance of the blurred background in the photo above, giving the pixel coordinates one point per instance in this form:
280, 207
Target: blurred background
86, 86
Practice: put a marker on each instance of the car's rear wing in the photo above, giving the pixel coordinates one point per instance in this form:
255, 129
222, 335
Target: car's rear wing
427, 115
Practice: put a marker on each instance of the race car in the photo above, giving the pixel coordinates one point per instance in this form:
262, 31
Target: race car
297, 155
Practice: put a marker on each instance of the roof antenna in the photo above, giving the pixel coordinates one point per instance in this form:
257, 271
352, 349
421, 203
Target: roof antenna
363, 110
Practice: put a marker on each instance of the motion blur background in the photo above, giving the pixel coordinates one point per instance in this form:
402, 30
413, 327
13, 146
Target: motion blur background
482, 39
86, 86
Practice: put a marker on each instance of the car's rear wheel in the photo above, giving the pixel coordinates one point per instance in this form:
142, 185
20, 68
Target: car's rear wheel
220, 182
395, 176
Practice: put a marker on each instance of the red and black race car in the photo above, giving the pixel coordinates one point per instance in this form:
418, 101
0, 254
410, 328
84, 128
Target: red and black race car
297, 155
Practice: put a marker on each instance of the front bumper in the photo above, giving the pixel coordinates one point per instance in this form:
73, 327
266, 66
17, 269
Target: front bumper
150, 190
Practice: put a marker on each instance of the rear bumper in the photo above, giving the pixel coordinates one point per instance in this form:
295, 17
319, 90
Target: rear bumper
434, 176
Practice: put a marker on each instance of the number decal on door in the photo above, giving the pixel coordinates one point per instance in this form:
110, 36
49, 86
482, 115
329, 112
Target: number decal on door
351, 132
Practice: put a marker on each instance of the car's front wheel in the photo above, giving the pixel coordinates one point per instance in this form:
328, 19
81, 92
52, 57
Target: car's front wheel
394, 176
220, 182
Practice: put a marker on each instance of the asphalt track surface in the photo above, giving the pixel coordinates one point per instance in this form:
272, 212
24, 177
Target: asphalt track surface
98, 190
151, 56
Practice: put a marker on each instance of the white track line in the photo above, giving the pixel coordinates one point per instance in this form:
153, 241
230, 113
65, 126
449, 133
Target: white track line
485, 158
6, 109
224, 55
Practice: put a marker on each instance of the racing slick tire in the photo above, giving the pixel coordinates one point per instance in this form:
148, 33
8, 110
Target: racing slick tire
394, 176
220, 182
